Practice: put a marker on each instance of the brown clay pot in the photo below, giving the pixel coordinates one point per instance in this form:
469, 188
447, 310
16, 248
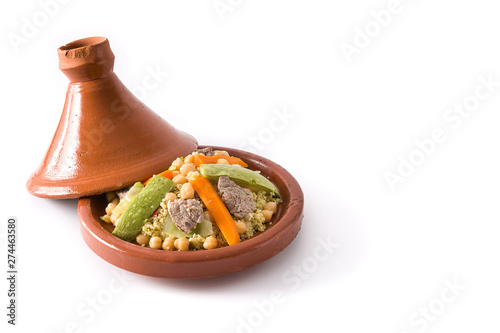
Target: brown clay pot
106, 138
283, 228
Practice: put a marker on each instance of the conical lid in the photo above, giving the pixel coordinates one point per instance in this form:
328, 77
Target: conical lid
106, 138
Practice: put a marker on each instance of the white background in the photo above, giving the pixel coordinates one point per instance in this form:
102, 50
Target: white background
398, 251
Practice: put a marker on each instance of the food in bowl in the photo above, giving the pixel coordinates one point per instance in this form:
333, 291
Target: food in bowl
205, 200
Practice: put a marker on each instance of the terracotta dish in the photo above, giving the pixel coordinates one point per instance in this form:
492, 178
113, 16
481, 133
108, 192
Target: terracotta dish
280, 232
106, 138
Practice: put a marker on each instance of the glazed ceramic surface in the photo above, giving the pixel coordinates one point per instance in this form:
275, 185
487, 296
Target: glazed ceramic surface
106, 138
280, 232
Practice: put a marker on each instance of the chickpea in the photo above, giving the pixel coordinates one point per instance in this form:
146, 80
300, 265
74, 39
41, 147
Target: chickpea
110, 196
106, 218
221, 153
210, 243
111, 206
241, 227
155, 242
112, 219
267, 214
186, 168
142, 239
168, 244
182, 244
177, 163
170, 197
192, 175
187, 191
271, 205
179, 179
222, 161
189, 159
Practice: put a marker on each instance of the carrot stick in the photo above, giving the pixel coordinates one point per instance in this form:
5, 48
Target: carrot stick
201, 159
167, 174
217, 209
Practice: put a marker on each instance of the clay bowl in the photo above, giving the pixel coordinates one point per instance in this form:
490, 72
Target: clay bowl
280, 232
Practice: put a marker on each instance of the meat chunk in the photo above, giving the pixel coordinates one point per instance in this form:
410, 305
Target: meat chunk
185, 214
206, 151
238, 200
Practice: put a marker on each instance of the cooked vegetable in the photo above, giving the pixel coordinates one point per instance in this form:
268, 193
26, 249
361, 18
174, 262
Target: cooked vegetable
168, 244
125, 201
142, 239
241, 176
167, 174
187, 191
181, 244
203, 229
110, 196
176, 209
111, 206
141, 207
187, 168
155, 242
179, 179
217, 209
201, 159
210, 243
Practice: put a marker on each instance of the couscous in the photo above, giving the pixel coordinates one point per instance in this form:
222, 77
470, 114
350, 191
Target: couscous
205, 200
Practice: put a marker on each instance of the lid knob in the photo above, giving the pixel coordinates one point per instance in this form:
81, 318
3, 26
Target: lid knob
86, 59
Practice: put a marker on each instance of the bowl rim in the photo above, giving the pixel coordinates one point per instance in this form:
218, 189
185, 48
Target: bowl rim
293, 212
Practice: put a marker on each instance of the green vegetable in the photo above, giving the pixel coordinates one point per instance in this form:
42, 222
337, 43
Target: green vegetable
241, 176
125, 202
142, 207
203, 229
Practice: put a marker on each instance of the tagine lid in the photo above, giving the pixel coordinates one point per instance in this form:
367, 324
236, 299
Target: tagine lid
107, 138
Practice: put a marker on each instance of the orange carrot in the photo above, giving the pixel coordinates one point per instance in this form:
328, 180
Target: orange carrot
167, 174
217, 209
201, 159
